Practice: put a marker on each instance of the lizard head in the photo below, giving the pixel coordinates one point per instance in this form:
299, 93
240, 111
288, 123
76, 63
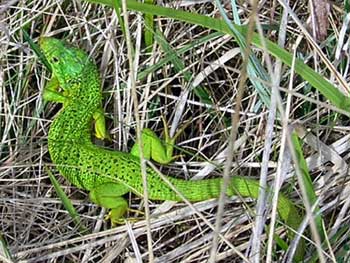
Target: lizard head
67, 62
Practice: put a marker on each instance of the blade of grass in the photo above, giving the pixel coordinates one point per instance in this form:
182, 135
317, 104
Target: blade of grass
4, 251
120, 18
149, 28
307, 182
35, 47
66, 202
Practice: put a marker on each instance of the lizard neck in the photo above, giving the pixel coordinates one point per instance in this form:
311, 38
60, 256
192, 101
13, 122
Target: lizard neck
70, 131
72, 124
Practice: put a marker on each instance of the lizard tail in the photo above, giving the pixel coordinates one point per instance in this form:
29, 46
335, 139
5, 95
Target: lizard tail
206, 189
239, 186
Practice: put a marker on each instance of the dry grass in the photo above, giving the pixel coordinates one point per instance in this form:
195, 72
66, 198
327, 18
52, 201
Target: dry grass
33, 221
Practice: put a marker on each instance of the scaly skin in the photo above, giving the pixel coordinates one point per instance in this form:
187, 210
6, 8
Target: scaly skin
106, 174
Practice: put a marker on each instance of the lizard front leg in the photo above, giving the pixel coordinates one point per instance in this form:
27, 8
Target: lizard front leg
51, 93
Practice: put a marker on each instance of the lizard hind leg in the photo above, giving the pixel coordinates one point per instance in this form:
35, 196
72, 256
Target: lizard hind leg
156, 149
109, 195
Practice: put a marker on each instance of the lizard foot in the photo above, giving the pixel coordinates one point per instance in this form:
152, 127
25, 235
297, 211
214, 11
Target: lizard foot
116, 216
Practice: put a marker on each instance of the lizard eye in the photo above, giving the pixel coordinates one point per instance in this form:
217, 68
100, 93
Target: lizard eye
54, 59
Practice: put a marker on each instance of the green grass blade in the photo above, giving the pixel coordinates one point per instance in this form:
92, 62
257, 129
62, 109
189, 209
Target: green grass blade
35, 47
120, 18
149, 28
307, 182
4, 251
66, 202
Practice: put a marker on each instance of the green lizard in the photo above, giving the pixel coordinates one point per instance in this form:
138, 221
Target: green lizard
106, 174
